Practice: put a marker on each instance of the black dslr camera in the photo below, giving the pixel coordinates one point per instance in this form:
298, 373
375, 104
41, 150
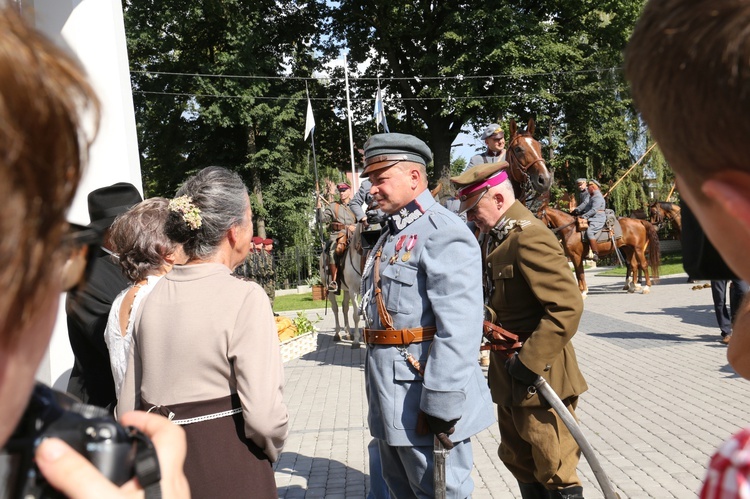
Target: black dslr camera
119, 453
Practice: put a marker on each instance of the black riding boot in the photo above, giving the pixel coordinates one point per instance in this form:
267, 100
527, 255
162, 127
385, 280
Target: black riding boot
575, 492
594, 249
533, 490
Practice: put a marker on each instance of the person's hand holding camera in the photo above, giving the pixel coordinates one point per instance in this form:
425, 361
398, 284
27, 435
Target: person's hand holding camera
74, 476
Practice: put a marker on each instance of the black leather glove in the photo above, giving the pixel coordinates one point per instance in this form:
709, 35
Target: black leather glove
375, 217
442, 429
519, 371
574, 212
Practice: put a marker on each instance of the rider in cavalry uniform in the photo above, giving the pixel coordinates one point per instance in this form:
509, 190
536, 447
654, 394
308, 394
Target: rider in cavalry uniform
423, 314
530, 293
341, 222
593, 211
494, 136
583, 193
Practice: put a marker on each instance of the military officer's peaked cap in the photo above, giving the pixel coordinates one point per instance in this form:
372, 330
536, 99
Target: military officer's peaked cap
343, 187
581, 181
477, 180
384, 150
492, 130
594, 182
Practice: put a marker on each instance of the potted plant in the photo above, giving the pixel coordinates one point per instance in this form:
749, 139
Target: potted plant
319, 292
306, 339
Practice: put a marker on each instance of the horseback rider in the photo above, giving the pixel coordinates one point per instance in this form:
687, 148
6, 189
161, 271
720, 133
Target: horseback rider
583, 196
340, 219
494, 136
593, 211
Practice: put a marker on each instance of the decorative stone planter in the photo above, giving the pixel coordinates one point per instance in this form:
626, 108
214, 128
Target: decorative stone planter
299, 346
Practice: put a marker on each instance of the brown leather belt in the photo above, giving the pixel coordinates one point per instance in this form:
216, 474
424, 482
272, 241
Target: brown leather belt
501, 340
399, 336
337, 226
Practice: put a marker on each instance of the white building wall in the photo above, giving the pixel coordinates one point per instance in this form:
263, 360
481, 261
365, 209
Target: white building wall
95, 32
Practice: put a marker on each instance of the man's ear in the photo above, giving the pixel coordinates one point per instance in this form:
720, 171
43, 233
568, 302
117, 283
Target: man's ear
730, 191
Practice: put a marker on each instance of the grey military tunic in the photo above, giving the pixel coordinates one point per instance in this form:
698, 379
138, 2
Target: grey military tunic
485, 157
593, 211
433, 279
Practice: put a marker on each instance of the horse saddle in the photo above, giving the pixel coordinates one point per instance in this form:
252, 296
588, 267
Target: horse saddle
610, 225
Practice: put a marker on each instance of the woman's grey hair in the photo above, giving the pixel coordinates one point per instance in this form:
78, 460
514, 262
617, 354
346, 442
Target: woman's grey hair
221, 197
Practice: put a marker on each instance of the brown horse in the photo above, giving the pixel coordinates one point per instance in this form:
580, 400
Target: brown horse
637, 235
661, 210
528, 170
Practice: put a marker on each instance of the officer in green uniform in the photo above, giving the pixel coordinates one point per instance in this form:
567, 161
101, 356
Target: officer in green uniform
533, 294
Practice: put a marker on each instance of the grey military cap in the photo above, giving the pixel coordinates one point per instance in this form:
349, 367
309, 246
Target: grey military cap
384, 150
492, 130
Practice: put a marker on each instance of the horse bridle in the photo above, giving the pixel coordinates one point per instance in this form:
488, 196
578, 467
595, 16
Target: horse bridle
554, 230
518, 171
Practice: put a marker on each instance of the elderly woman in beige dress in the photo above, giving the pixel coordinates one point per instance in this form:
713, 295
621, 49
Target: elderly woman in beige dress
205, 352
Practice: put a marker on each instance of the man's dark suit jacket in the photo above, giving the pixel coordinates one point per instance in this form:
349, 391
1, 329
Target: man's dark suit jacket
88, 310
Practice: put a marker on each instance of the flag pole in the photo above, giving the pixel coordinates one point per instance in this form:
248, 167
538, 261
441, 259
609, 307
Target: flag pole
315, 168
349, 120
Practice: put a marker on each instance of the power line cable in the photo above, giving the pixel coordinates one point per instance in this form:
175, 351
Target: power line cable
367, 78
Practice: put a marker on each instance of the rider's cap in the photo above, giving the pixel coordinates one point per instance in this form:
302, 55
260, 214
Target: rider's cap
343, 187
384, 150
492, 130
476, 181
581, 181
594, 182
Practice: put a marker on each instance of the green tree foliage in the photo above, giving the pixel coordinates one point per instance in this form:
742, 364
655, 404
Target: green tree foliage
190, 115
557, 62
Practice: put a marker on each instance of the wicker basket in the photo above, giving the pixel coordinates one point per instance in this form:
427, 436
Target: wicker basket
299, 346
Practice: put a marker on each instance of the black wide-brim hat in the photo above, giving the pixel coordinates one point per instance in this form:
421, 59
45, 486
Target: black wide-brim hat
106, 203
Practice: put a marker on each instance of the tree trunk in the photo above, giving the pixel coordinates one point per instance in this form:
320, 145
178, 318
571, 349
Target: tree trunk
255, 188
441, 139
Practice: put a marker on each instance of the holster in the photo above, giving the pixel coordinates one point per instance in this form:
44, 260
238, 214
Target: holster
500, 340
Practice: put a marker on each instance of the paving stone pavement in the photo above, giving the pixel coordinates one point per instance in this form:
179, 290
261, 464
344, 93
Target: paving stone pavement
661, 398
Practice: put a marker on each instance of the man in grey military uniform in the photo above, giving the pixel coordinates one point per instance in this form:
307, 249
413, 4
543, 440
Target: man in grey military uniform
423, 310
583, 196
362, 201
593, 211
494, 136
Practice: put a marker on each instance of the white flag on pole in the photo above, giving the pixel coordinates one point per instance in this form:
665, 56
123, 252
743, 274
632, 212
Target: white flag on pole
310, 121
379, 112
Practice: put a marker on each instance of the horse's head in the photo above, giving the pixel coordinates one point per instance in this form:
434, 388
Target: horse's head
655, 212
527, 167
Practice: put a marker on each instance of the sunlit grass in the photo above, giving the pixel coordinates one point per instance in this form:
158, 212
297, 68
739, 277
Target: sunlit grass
670, 264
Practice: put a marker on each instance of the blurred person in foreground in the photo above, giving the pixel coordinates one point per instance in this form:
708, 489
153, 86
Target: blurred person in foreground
205, 349
423, 315
43, 146
145, 254
534, 302
88, 304
688, 63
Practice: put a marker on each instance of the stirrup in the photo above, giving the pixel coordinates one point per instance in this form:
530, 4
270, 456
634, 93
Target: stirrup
594, 257
333, 286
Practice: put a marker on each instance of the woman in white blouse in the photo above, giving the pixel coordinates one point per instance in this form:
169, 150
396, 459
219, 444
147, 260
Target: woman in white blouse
145, 254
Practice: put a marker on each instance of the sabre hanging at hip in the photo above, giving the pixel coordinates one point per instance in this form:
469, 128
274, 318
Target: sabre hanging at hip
549, 394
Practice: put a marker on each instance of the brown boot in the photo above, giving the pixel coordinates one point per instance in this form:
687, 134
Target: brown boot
594, 249
334, 270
